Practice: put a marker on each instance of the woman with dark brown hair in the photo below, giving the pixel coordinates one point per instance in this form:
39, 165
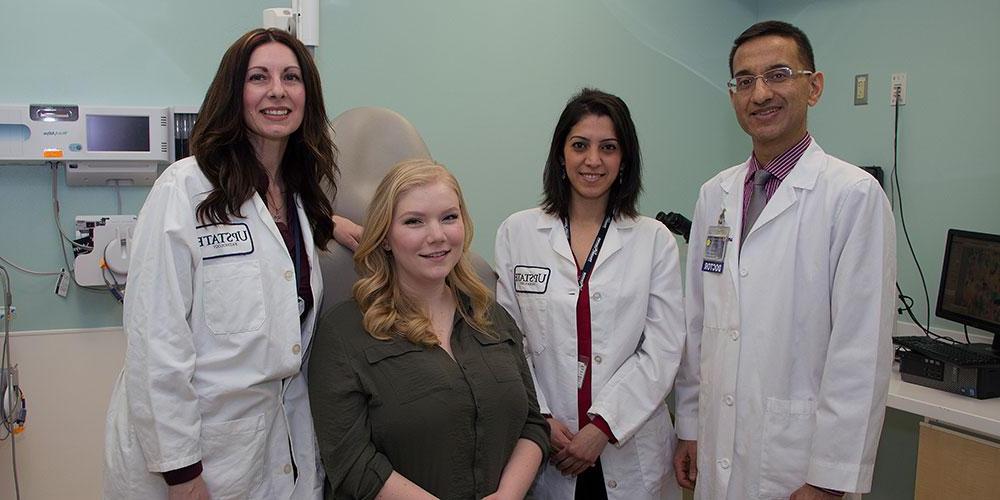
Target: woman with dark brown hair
596, 289
223, 293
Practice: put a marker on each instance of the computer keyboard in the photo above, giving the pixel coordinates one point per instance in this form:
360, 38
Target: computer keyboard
958, 354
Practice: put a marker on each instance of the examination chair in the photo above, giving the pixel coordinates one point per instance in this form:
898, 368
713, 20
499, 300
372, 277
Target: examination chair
369, 142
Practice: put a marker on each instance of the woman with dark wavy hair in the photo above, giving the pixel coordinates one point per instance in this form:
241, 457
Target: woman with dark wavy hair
223, 293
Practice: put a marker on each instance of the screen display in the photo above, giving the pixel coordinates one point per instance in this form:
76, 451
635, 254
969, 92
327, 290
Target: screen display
970, 281
117, 133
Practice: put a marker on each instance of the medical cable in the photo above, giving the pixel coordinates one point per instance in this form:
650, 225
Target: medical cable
115, 287
897, 191
13, 412
54, 167
55, 210
29, 271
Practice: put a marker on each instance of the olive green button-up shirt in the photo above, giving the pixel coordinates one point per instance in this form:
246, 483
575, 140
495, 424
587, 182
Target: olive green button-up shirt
448, 425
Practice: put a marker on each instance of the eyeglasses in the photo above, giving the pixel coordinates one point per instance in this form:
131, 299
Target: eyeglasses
773, 77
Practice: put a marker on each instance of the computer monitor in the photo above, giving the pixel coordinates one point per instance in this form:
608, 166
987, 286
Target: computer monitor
970, 282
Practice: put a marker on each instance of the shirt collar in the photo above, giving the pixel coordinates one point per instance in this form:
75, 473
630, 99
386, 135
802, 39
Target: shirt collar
782, 164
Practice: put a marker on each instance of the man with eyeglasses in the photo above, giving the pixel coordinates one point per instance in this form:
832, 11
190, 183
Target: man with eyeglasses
789, 303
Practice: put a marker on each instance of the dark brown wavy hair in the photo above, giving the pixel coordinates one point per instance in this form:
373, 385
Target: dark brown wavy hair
221, 144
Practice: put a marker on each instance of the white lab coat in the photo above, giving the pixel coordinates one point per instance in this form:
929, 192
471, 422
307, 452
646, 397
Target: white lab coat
637, 338
794, 334
214, 366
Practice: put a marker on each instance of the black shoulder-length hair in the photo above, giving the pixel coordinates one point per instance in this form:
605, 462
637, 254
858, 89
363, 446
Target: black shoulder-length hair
220, 141
624, 196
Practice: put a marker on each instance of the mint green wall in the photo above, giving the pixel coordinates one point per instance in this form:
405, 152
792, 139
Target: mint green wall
948, 171
482, 81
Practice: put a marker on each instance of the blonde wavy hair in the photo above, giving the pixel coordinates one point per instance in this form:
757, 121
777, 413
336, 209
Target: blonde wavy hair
388, 312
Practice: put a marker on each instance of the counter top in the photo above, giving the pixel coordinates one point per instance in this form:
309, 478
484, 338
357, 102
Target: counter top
982, 416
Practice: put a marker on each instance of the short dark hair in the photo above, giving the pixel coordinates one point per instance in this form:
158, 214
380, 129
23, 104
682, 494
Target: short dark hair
776, 28
220, 141
624, 196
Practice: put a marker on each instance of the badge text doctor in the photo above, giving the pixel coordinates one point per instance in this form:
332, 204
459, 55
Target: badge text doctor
715, 246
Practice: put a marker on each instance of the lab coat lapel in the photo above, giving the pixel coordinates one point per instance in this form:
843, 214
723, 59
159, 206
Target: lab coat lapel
266, 219
557, 236
732, 205
612, 240
802, 176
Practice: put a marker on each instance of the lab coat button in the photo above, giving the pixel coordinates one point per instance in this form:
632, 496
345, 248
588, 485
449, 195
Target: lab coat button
597, 297
735, 334
728, 399
289, 275
724, 463
597, 359
744, 272
296, 349
612, 484
288, 469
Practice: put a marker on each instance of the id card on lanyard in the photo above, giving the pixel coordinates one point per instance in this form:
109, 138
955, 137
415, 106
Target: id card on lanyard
583, 362
715, 246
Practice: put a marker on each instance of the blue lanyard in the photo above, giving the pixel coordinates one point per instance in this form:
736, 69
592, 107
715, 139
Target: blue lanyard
595, 249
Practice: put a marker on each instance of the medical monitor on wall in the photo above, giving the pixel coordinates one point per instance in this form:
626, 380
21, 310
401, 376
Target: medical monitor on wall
970, 282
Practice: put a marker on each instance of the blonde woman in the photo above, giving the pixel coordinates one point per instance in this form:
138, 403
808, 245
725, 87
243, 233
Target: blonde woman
419, 386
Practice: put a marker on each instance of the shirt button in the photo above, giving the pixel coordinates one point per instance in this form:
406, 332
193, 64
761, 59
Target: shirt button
597, 296
744, 272
288, 468
735, 334
728, 399
724, 463
289, 275
597, 359
612, 484
296, 349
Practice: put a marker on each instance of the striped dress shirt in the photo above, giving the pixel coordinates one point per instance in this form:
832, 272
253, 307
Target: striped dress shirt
779, 168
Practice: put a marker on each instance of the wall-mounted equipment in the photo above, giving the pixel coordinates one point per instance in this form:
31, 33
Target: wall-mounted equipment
110, 240
301, 20
99, 145
182, 120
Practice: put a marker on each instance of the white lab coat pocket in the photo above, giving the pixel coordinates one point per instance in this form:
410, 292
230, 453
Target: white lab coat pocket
233, 457
234, 297
653, 442
785, 446
535, 322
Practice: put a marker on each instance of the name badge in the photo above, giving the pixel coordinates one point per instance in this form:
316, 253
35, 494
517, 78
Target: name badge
715, 249
223, 240
531, 279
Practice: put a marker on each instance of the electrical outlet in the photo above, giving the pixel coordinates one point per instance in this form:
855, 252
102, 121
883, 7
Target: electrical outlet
860, 90
897, 89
